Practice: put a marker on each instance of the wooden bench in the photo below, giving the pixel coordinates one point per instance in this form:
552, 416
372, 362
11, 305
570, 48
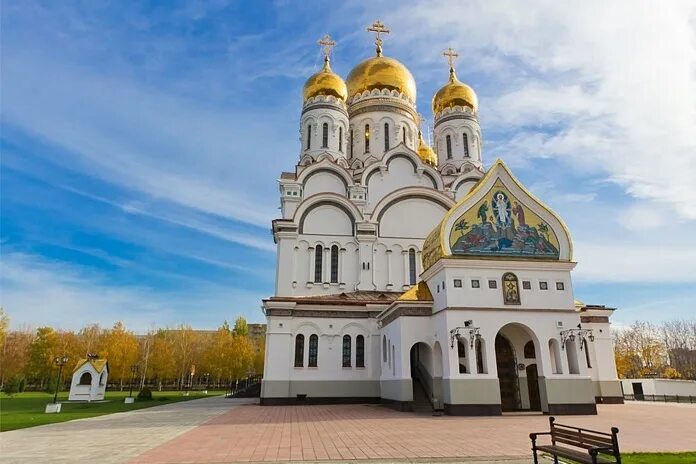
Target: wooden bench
581, 445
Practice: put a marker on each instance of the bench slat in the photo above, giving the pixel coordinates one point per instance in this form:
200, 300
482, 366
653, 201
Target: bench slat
581, 438
556, 424
584, 433
572, 454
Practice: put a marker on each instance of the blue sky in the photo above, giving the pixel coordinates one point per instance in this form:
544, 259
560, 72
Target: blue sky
141, 142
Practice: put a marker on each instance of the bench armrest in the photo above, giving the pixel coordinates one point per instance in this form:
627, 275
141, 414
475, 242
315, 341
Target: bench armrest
536, 434
593, 451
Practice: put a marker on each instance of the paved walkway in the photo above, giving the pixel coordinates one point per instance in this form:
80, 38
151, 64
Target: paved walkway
366, 432
219, 430
110, 439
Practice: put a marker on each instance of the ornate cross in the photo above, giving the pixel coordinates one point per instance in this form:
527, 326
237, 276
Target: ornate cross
379, 28
451, 56
327, 44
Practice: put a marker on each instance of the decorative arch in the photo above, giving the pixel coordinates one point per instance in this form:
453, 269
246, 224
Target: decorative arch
326, 164
401, 151
411, 192
320, 199
85, 379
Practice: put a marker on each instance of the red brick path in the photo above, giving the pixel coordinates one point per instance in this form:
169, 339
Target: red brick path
272, 433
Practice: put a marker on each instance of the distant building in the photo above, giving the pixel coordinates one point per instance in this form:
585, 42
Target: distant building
89, 380
670, 387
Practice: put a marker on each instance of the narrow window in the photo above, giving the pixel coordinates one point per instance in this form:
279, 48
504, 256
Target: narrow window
299, 350
403, 135
309, 136
529, 351
334, 264
367, 138
346, 351
386, 136
384, 348
412, 266
318, 261
393, 361
480, 360
325, 135
351, 144
340, 139
448, 140
461, 354
313, 350
466, 146
359, 351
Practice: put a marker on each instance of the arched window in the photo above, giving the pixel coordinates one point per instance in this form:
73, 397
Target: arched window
403, 135
102, 378
529, 351
555, 355
334, 264
299, 350
340, 139
313, 350
324, 135
412, 266
346, 351
384, 348
572, 355
587, 353
386, 136
318, 262
461, 354
480, 346
359, 351
448, 141
309, 136
86, 379
367, 138
350, 147
466, 145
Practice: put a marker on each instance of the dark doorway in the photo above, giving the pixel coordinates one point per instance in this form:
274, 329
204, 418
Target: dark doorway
507, 374
533, 387
638, 391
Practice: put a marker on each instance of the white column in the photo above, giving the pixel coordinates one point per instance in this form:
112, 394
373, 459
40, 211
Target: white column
404, 253
326, 264
341, 253
310, 277
419, 264
294, 265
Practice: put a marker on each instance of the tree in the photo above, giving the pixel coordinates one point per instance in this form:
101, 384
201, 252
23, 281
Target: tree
120, 347
462, 226
42, 351
14, 357
241, 327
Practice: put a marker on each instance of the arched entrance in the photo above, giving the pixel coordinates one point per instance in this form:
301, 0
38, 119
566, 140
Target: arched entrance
507, 374
518, 375
426, 377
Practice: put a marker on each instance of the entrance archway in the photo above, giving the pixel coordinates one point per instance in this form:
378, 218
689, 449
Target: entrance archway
507, 374
426, 376
518, 363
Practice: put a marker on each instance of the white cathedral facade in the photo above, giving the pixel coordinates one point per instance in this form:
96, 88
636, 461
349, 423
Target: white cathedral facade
407, 274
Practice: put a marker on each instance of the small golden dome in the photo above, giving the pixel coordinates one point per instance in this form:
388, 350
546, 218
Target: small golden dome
425, 152
454, 93
325, 82
381, 72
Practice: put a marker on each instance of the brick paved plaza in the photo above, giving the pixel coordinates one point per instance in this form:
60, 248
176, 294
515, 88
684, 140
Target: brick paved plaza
218, 430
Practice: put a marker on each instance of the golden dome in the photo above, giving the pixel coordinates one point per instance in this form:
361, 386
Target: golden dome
425, 152
381, 72
325, 82
454, 93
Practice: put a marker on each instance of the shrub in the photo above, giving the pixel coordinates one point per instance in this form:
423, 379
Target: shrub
145, 394
13, 385
163, 398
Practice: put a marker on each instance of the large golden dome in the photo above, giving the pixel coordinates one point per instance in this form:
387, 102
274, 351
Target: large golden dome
425, 152
381, 72
454, 93
325, 82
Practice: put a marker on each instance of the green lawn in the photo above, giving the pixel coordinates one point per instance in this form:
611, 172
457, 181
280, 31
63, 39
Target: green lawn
658, 458
27, 409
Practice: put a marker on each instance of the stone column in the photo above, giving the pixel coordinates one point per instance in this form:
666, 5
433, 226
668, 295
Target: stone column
310, 277
406, 284
341, 258
389, 276
326, 264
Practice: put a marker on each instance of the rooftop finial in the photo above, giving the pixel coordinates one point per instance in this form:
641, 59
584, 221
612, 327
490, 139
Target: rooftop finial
327, 44
451, 56
379, 28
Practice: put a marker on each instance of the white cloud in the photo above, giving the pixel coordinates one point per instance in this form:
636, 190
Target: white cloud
618, 78
40, 291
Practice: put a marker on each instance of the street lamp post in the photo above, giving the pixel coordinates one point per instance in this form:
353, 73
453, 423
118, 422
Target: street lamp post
134, 370
59, 361
207, 382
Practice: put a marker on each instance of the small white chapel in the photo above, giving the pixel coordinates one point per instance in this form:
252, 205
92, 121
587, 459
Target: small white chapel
411, 275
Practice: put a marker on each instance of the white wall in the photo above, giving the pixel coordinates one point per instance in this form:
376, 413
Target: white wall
661, 386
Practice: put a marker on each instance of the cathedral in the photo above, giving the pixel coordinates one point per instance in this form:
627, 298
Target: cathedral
410, 275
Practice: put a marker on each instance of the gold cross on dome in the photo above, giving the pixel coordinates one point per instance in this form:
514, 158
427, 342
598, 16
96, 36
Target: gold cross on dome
327, 44
451, 56
379, 28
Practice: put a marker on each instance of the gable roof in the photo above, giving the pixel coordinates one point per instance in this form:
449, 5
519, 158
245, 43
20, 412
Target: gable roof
419, 292
437, 244
98, 363
360, 297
